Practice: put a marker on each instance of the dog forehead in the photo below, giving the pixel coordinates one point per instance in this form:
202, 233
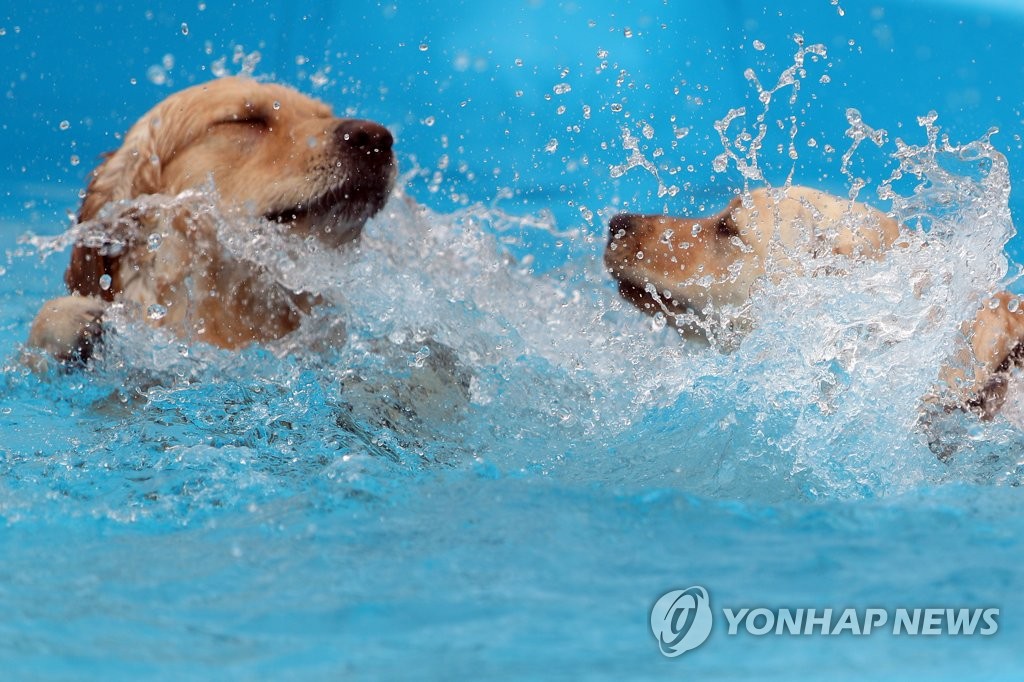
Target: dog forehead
237, 98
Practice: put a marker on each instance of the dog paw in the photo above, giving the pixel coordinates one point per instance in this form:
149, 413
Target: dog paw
67, 329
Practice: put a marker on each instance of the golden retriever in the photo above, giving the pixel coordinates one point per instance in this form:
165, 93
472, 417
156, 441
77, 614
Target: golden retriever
268, 152
690, 268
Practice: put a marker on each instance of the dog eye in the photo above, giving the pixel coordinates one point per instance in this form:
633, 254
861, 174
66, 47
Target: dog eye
255, 122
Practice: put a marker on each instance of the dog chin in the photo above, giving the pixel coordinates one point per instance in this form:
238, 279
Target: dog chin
334, 227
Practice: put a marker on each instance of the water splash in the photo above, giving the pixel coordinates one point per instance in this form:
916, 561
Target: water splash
440, 349
744, 148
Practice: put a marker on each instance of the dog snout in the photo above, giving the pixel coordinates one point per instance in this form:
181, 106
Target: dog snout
363, 136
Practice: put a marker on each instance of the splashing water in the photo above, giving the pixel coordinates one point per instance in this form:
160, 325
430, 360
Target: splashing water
436, 350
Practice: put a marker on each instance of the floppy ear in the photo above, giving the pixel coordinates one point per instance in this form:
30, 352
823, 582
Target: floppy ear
131, 171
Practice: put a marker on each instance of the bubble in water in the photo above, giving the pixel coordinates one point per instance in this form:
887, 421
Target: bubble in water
758, 45
628, 32
277, 105
154, 241
105, 281
424, 47
184, 29
428, 121
75, 160
64, 125
562, 88
156, 75
156, 312
616, 107
551, 146
720, 163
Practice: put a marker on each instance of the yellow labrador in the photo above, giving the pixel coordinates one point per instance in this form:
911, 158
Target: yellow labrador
677, 265
270, 153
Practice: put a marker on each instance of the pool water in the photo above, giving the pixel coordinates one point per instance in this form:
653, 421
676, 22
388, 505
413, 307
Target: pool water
504, 466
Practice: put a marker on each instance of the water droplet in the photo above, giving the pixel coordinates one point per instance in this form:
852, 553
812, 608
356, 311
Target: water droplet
424, 47
154, 241
75, 160
277, 105
551, 146
184, 29
720, 163
825, 79
105, 281
428, 121
1013, 305
156, 312
156, 75
616, 107
64, 125
758, 45
628, 32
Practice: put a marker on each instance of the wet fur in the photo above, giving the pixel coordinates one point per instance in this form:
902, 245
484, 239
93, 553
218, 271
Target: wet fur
268, 152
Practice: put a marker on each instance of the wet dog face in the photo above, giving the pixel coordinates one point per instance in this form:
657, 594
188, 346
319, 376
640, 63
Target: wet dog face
699, 265
675, 265
268, 150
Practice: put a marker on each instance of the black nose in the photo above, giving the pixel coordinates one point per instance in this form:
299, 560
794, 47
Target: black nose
619, 226
365, 136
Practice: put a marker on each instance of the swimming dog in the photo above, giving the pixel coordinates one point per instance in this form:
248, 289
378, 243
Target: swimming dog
690, 269
269, 153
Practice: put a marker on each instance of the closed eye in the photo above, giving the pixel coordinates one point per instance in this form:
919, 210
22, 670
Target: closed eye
251, 121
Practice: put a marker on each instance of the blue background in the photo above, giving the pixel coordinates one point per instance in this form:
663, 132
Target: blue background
487, 78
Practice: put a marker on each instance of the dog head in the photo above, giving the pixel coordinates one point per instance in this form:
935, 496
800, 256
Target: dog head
676, 265
268, 150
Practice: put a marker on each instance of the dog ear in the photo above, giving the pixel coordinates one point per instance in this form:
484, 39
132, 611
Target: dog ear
131, 171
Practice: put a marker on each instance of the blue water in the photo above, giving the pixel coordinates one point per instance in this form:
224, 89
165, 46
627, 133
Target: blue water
313, 512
